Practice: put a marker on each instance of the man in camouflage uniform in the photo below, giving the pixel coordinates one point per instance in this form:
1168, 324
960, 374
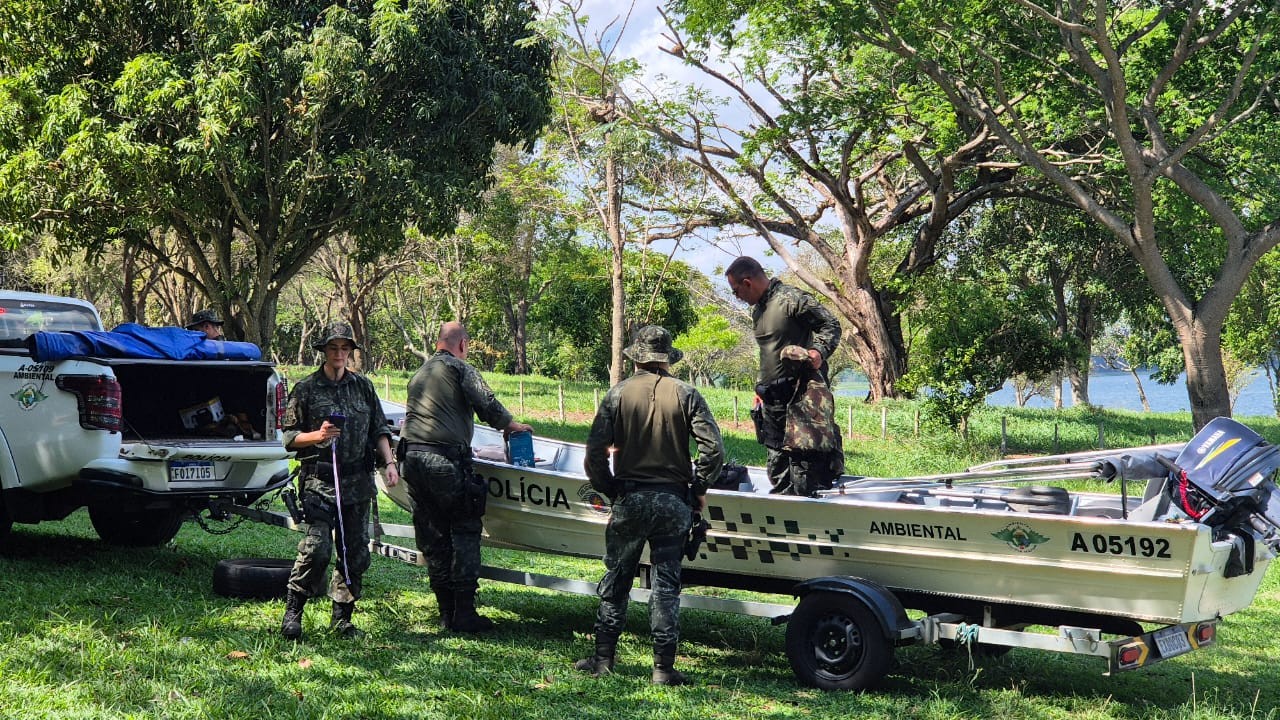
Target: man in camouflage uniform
363, 439
445, 395
648, 420
783, 316
207, 322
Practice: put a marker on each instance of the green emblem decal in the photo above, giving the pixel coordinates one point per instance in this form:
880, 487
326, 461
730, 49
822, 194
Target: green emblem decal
1020, 537
27, 396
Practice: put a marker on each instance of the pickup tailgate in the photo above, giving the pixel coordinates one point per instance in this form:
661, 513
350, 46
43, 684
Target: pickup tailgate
223, 452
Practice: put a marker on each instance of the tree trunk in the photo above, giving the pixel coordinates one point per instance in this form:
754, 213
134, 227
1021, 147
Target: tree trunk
1079, 379
260, 326
1206, 378
1142, 393
874, 342
1270, 367
521, 339
613, 226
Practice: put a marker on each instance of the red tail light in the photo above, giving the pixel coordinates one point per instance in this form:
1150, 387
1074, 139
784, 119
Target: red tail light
282, 395
97, 398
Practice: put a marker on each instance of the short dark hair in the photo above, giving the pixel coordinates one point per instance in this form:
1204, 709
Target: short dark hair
744, 267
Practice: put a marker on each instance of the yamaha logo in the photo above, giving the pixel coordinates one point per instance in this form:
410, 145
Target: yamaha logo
1204, 446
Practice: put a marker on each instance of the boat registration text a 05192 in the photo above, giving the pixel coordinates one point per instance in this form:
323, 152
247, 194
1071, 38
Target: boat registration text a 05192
190, 470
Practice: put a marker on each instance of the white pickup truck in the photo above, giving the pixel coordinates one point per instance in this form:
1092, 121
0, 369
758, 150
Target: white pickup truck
120, 436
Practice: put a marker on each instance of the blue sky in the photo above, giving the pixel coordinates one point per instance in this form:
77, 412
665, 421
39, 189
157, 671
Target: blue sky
638, 32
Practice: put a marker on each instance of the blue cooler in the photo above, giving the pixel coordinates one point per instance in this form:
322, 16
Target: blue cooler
520, 449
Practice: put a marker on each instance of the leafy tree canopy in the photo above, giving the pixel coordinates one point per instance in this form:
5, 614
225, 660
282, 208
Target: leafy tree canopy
254, 131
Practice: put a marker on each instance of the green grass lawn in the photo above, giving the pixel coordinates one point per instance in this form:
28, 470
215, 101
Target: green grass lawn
92, 631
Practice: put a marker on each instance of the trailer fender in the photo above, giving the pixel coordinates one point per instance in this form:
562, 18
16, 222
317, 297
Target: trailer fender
878, 599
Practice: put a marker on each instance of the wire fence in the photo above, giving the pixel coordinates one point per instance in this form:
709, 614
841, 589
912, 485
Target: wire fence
1009, 431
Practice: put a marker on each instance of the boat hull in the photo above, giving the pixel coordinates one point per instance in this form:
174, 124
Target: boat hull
1159, 572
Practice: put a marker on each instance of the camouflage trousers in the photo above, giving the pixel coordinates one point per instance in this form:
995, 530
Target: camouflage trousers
800, 473
317, 546
662, 520
444, 531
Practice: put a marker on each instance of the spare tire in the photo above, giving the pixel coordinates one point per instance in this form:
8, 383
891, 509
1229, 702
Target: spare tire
253, 578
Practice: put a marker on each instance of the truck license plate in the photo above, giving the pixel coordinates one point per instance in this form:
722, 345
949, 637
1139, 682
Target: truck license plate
1172, 641
190, 470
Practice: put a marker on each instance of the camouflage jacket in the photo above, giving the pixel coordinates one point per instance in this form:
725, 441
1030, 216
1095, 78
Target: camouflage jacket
786, 315
649, 418
315, 398
445, 396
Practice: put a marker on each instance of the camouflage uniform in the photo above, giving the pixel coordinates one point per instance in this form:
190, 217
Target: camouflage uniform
649, 418
311, 401
444, 396
785, 315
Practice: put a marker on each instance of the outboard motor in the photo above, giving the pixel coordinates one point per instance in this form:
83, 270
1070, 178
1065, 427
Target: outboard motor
1224, 478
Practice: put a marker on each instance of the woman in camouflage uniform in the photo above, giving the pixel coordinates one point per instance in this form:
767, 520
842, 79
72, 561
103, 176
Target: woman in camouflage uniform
363, 440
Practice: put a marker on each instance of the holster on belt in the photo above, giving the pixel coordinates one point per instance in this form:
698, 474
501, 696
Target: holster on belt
475, 493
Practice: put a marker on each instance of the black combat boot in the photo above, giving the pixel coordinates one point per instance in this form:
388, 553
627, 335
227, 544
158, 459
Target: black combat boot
444, 601
291, 627
465, 618
341, 623
664, 672
601, 663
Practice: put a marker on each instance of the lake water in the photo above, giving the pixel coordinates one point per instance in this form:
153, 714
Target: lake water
1115, 389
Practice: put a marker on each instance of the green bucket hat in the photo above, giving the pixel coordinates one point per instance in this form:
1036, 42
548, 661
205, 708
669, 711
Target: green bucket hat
652, 343
335, 331
204, 316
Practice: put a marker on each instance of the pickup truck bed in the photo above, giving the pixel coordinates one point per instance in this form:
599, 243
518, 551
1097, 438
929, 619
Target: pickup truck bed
142, 443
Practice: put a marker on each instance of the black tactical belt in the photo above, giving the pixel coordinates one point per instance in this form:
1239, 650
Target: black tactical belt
681, 491
449, 452
345, 469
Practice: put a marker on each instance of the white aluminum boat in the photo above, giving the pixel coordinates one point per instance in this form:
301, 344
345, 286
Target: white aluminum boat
995, 547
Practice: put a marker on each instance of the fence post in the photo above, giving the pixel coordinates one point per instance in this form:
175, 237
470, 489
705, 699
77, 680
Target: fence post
595, 399
1055, 438
884, 422
735, 408
386, 385
560, 393
1004, 435
1102, 438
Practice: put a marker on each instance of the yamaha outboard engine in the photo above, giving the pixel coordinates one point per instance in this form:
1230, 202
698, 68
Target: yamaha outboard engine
1224, 478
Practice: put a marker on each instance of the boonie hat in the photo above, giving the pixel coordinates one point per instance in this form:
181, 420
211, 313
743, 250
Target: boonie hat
335, 331
202, 317
793, 354
652, 343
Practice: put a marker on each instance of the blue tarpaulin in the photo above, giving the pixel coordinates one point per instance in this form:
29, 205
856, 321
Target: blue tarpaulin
132, 340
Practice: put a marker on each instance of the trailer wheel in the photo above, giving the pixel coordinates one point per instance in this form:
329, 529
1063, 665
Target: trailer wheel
136, 528
252, 578
835, 643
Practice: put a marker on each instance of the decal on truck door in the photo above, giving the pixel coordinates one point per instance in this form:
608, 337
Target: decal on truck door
28, 396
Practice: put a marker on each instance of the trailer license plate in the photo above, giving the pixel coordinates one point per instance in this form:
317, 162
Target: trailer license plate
190, 470
1172, 641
